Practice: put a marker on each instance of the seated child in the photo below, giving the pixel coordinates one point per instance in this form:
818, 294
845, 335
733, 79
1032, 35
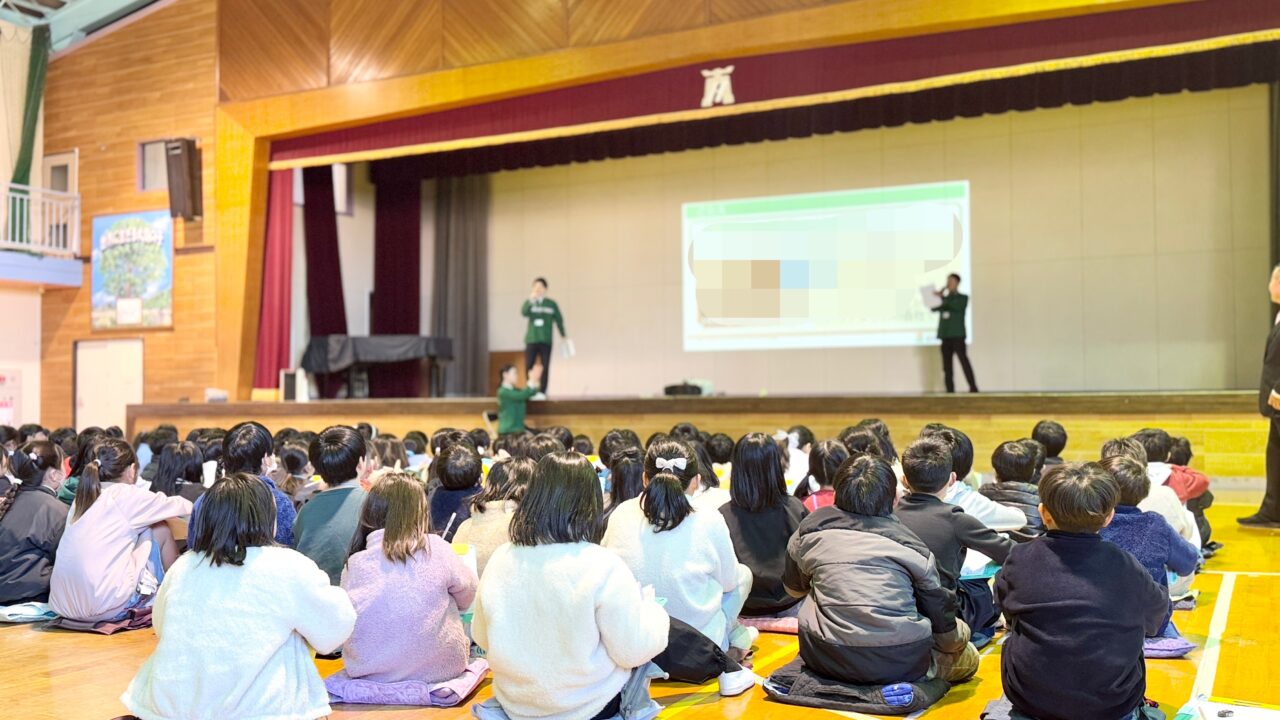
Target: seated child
408, 587
458, 469
799, 441
593, 624
1014, 463
248, 447
963, 492
489, 526
825, 459
582, 444
237, 619
685, 554
298, 474
513, 402
326, 523
875, 612
31, 523
1161, 499
626, 478
1146, 535
761, 517
705, 492
1185, 482
116, 547
948, 530
1078, 608
1054, 439
1180, 457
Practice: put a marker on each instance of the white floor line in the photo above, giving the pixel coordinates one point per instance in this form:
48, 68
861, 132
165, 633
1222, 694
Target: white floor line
1207, 673
1246, 573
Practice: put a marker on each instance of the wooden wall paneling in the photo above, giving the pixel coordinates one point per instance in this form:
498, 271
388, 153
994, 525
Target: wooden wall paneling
481, 31
393, 38
269, 48
154, 78
592, 22
729, 10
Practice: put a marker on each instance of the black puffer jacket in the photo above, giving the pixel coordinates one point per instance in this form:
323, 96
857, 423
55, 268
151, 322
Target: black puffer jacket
1023, 496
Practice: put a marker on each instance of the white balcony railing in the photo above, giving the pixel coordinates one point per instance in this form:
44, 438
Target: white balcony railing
40, 221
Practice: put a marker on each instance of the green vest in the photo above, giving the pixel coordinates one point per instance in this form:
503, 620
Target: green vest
541, 316
951, 316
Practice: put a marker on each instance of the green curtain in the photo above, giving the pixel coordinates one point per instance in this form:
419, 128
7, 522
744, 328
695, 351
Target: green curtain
36, 71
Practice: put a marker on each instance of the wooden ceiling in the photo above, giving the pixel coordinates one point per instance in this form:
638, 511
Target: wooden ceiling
274, 47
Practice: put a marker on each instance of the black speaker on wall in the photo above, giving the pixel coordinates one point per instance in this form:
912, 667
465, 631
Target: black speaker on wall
182, 162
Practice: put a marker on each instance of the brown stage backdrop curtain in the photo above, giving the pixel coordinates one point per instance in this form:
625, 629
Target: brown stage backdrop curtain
460, 283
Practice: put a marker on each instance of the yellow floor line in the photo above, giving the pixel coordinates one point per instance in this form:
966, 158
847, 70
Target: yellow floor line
712, 688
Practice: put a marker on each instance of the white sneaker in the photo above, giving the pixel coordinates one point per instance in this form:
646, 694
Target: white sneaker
735, 683
539, 396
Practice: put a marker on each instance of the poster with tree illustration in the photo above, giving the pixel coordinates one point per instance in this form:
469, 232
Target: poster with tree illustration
133, 270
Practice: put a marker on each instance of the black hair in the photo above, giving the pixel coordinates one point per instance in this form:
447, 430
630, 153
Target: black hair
825, 459
479, 437
878, 426
542, 446
1079, 496
1129, 447
1132, 480
705, 467
29, 431
115, 432
664, 502
1052, 435
294, 457
861, 441
614, 440
671, 449
29, 464
178, 462
460, 468
8, 434
65, 438
684, 431
757, 484
541, 280
211, 445
653, 439
866, 485
562, 504
961, 449
336, 454
626, 475
367, 431
415, 442
508, 480
158, 438
927, 464
236, 514
1156, 442
582, 444
804, 436
245, 447
1180, 452
1037, 449
84, 449
720, 446
111, 458
956, 276
1014, 461
561, 433
504, 370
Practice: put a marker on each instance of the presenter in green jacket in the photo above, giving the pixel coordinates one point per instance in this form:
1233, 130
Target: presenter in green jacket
952, 333
542, 312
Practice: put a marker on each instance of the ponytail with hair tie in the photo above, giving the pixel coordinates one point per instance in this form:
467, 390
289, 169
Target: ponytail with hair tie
664, 503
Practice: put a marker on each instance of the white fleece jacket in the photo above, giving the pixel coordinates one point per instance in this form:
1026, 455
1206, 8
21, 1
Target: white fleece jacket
562, 626
692, 565
233, 640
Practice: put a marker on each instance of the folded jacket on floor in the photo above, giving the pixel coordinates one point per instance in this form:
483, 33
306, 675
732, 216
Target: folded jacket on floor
136, 619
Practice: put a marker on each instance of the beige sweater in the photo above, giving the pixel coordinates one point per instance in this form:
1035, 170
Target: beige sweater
487, 531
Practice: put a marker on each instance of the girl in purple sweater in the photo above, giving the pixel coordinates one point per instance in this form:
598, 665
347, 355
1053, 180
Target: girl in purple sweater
408, 588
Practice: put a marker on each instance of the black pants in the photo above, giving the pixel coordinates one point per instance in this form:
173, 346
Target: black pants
977, 605
1197, 506
1271, 503
956, 346
534, 351
692, 657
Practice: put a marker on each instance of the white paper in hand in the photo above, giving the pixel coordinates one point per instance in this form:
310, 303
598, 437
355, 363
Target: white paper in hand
567, 349
929, 294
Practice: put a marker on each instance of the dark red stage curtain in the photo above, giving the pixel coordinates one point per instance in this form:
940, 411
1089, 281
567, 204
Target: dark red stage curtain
277, 283
397, 254
326, 306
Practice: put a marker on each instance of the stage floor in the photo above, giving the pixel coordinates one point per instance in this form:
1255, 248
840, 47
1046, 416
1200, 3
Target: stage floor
58, 674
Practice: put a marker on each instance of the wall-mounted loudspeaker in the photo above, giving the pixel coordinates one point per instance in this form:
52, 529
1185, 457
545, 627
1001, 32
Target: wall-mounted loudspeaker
182, 161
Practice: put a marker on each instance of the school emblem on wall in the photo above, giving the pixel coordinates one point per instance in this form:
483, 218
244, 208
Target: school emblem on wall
717, 86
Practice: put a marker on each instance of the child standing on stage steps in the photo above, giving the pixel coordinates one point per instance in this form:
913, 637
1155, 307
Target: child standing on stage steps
542, 313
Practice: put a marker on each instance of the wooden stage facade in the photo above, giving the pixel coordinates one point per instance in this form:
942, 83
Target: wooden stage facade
1227, 433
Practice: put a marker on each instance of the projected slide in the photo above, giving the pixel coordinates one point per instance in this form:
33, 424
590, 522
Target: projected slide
840, 269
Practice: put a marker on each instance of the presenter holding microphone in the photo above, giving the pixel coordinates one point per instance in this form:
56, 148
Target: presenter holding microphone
952, 333
541, 312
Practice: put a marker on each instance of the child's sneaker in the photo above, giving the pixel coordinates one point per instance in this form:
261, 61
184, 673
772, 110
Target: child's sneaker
735, 683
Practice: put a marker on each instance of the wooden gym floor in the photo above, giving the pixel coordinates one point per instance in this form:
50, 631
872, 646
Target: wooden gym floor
57, 674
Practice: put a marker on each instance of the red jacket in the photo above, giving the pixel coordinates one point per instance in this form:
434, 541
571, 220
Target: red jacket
1187, 483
